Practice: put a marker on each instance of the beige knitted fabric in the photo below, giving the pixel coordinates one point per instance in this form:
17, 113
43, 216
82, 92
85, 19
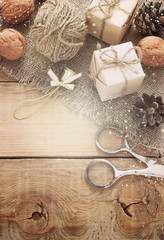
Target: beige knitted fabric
84, 97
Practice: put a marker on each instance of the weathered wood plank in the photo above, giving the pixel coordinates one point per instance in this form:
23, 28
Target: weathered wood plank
51, 199
54, 130
5, 78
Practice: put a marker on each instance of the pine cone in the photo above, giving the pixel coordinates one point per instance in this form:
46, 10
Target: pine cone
148, 111
150, 19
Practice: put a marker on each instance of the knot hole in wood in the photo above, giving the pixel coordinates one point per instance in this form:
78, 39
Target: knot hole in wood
36, 216
33, 218
139, 206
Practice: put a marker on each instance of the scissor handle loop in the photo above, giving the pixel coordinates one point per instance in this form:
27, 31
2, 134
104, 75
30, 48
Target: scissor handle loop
116, 173
124, 146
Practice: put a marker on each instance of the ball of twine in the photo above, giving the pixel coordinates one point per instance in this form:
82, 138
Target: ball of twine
59, 30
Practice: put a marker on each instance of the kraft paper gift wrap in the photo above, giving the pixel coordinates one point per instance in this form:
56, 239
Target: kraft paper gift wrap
116, 75
110, 24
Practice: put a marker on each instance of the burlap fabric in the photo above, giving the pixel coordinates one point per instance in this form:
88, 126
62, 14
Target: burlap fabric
33, 67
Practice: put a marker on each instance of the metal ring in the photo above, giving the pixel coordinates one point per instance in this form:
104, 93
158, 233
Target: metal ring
97, 161
105, 149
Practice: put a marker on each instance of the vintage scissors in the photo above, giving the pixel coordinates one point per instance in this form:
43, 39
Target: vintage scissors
153, 169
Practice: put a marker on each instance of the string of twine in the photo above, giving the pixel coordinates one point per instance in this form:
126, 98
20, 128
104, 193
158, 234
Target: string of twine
45, 99
110, 61
109, 5
66, 80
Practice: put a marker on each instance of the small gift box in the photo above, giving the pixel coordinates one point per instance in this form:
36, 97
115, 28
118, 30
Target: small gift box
117, 70
109, 20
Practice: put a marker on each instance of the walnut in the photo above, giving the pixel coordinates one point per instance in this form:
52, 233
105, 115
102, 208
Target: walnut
12, 44
1, 22
152, 48
16, 11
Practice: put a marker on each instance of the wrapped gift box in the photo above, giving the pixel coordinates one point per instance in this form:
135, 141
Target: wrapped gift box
116, 79
110, 26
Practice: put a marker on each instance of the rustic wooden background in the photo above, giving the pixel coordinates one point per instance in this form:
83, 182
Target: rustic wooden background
43, 191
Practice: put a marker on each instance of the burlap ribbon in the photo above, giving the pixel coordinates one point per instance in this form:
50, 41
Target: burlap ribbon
112, 60
106, 7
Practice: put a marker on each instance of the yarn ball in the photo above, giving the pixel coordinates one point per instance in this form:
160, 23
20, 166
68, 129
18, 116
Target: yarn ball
59, 30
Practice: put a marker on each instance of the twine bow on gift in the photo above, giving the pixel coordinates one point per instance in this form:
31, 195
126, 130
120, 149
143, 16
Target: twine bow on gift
109, 5
112, 60
66, 81
106, 7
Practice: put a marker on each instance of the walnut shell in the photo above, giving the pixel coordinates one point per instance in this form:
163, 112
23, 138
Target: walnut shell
16, 11
12, 44
152, 48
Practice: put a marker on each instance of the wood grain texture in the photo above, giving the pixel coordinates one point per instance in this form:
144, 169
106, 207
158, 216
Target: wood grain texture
54, 130
50, 199
5, 78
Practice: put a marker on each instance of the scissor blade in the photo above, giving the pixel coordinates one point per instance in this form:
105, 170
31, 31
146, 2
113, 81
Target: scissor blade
155, 170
